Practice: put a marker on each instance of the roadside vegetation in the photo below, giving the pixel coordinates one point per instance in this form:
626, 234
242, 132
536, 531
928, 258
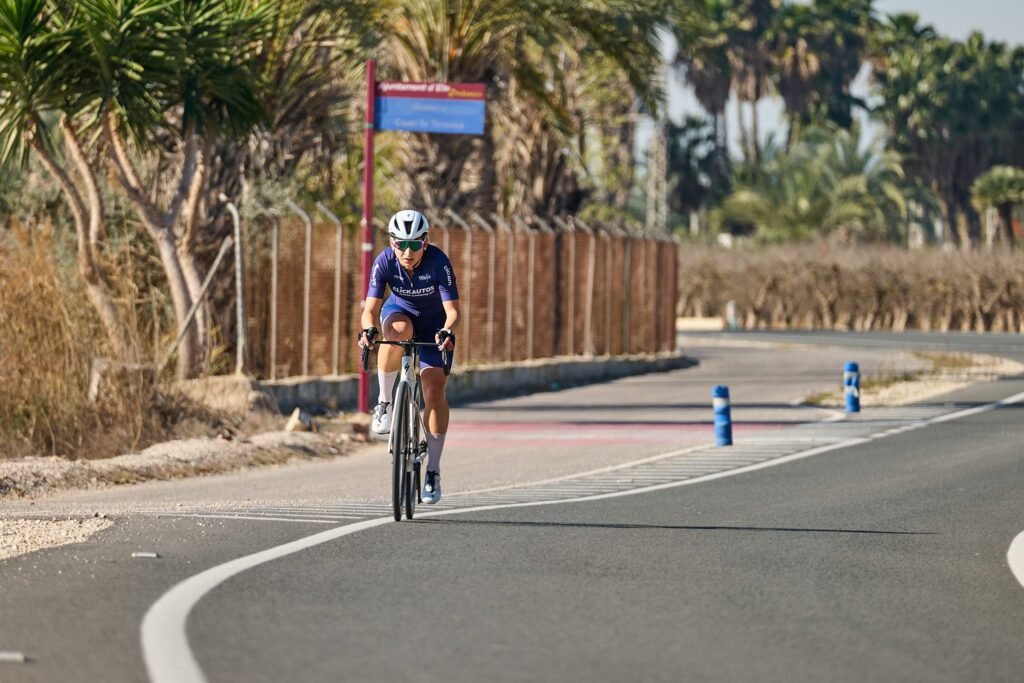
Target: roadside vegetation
125, 125
866, 288
46, 341
947, 371
950, 111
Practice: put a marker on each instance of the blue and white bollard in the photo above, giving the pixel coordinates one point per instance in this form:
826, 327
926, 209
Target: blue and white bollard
851, 386
723, 416
732, 320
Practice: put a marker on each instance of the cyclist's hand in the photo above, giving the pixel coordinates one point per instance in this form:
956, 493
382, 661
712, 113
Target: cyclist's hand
445, 339
367, 337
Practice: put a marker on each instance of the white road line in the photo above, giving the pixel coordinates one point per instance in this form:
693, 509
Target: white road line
588, 473
1015, 556
165, 647
260, 518
169, 659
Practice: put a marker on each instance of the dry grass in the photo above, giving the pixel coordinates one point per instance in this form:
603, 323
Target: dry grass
947, 362
944, 367
48, 340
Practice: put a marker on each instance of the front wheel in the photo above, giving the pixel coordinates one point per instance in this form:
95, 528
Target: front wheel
397, 444
410, 495
412, 468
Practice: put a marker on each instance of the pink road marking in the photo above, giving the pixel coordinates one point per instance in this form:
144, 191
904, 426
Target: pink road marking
547, 434
491, 427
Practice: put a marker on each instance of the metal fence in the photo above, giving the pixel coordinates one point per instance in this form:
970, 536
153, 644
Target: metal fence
526, 291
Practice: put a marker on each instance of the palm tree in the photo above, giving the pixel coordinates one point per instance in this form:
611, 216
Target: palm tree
694, 183
36, 64
182, 69
954, 109
310, 67
130, 74
826, 186
1001, 187
748, 23
797, 63
702, 60
517, 48
842, 32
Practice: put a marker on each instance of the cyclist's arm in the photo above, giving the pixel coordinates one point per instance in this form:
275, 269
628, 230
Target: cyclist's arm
371, 313
451, 312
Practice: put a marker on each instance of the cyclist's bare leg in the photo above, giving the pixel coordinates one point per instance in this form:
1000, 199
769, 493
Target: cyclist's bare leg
435, 414
435, 411
396, 327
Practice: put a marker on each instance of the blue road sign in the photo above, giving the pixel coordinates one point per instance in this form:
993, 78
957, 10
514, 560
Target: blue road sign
456, 108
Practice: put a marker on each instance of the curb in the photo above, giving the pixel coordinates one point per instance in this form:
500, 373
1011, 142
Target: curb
316, 394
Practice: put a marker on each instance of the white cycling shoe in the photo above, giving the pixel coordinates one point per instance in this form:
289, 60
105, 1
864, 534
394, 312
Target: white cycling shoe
381, 423
431, 488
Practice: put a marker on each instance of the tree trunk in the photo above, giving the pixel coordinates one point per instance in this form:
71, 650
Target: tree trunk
189, 360
963, 228
160, 227
755, 140
949, 216
190, 192
87, 229
1005, 212
744, 138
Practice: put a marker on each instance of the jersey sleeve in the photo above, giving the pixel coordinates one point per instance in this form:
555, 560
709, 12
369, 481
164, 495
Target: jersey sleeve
378, 277
446, 284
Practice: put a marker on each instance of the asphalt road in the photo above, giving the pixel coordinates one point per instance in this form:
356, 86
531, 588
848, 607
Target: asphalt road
881, 560
1006, 344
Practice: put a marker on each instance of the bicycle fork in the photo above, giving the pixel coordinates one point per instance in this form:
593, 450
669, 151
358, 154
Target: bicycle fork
407, 375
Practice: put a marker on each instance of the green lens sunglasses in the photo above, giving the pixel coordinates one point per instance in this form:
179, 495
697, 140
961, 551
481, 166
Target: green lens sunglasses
415, 245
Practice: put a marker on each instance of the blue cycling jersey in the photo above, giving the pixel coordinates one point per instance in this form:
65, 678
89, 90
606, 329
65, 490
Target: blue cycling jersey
431, 283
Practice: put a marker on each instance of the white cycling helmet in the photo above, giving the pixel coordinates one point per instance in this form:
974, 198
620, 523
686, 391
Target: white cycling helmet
408, 225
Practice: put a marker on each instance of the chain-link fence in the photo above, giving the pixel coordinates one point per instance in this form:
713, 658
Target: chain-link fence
526, 291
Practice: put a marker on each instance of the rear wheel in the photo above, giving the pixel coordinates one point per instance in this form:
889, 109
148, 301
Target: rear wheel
399, 448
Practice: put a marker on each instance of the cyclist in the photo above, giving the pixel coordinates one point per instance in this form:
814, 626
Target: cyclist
424, 306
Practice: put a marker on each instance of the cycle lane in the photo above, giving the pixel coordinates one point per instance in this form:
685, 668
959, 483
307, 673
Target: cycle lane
884, 525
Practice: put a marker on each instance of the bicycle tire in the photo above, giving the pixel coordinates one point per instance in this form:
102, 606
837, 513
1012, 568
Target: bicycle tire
417, 479
415, 425
398, 448
412, 423
410, 503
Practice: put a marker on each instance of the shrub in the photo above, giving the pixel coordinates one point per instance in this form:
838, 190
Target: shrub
865, 288
48, 339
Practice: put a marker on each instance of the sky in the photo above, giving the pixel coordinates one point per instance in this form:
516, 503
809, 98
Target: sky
998, 19
1001, 20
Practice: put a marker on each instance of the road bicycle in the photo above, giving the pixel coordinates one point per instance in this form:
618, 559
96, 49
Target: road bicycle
407, 449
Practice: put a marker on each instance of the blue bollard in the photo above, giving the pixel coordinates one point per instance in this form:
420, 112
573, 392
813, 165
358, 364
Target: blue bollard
732, 320
723, 416
851, 386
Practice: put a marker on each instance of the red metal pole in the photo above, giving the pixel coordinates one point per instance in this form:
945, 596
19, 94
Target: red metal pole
371, 94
